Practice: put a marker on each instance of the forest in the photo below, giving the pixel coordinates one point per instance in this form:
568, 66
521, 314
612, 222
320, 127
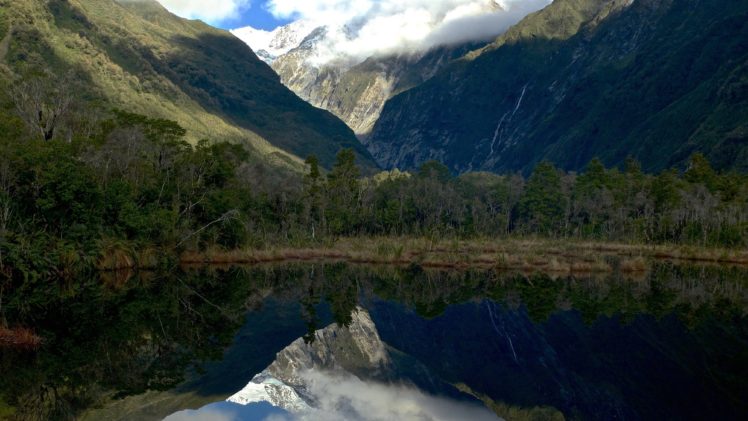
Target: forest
80, 188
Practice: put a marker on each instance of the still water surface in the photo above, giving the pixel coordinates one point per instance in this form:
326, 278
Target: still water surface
330, 341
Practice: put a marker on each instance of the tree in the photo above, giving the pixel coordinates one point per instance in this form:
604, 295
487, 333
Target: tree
313, 193
543, 205
343, 192
435, 170
699, 171
43, 103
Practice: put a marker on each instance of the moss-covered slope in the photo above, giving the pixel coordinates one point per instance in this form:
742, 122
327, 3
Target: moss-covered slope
137, 56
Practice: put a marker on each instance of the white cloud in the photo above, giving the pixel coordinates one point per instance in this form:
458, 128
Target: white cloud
362, 28
211, 11
343, 397
347, 398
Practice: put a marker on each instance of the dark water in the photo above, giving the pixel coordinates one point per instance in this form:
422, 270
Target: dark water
356, 342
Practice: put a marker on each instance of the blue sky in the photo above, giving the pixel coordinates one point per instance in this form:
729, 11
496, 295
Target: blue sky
228, 14
255, 16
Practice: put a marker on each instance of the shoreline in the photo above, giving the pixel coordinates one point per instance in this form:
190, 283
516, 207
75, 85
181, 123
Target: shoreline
568, 256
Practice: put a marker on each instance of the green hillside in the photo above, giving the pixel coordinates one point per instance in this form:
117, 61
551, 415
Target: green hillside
654, 79
137, 56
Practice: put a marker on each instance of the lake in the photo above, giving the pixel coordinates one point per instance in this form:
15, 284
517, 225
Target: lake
329, 341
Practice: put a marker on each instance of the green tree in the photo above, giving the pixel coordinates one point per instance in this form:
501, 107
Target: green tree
435, 170
343, 188
699, 171
542, 207
313, 193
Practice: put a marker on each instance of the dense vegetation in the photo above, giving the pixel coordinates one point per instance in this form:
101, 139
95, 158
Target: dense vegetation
657, 80
121, 189
136, 56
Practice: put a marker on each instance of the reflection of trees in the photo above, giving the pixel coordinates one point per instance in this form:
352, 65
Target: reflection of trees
127, 340
114, 339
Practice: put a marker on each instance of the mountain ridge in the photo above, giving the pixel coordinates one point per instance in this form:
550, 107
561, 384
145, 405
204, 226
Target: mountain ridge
577, 80
137, 56
354, 89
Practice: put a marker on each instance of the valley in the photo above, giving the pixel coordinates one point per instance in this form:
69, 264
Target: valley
410, 210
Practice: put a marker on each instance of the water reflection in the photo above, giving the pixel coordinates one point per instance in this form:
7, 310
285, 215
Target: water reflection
671, 344
346, 373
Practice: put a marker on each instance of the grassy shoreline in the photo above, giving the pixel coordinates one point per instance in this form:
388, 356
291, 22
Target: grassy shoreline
568, 256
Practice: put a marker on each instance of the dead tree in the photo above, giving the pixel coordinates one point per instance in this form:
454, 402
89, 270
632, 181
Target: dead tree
43, 103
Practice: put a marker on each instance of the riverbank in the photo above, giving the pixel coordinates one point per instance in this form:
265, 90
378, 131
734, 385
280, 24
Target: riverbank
566, 256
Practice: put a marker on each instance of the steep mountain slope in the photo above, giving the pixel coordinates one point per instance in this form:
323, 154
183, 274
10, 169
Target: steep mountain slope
351, 87
357, 93
135, 55
655, 79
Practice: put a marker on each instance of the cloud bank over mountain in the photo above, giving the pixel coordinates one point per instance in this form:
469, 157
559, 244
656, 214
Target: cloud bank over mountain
212, 11
357, 29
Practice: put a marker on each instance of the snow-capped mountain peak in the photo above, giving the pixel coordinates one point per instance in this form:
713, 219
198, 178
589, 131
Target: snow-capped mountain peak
269, 45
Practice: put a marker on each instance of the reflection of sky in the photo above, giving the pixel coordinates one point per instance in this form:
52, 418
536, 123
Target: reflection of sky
227, 411
346, 398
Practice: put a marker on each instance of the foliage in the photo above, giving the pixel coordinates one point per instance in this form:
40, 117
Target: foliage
120, 182
659, 80
139, 57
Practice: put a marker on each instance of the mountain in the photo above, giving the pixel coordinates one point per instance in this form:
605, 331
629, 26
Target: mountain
269, 45
135, 55
355, 89
357, 93
654, 79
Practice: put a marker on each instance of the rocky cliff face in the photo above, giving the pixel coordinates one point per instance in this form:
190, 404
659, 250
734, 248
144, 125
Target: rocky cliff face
356, 93
653, 79
352, 88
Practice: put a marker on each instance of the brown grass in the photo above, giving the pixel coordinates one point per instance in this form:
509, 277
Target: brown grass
19, 338
525, 255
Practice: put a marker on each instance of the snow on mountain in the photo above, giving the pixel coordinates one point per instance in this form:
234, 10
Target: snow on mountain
269, 45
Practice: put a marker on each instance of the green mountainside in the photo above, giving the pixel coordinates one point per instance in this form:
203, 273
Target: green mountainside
135, 55
653, 79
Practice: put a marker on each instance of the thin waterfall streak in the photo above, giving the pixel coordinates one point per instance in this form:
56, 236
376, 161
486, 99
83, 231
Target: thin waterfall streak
497, 132
506, 335
519, 102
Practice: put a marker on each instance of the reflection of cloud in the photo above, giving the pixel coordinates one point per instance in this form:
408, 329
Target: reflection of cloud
345, 397
311, 382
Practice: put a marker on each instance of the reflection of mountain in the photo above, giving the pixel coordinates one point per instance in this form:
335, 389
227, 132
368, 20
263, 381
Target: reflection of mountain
645, 368
670, 345
353, 349
343, 372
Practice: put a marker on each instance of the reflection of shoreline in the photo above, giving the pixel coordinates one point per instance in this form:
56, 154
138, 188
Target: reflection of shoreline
188, 310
